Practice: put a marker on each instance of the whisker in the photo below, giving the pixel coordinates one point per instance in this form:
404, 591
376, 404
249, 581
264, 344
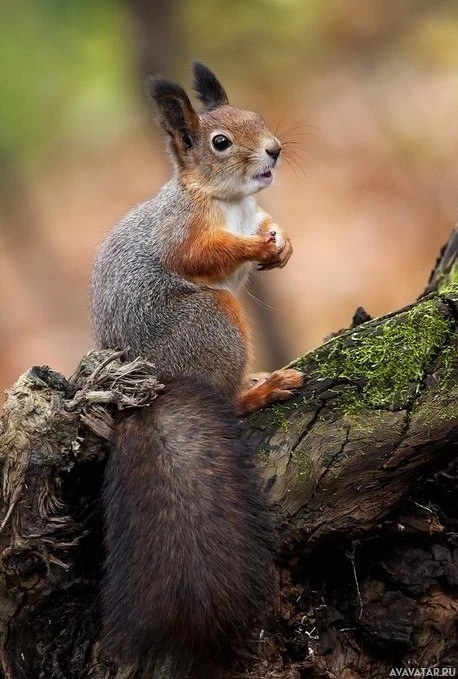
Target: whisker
282, 117
292, 167
295, 132
301, 122
294, 161
294, 153
293, 150
293, 142
261, 302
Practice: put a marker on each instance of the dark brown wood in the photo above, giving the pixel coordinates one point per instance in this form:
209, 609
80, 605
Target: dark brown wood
360, 468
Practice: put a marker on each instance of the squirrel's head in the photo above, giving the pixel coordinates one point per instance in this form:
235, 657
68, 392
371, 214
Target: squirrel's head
224, 151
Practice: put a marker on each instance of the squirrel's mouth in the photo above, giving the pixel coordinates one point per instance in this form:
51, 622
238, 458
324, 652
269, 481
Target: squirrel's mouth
264, 178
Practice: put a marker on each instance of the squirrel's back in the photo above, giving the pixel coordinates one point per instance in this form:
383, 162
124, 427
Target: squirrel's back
192, 588
130, 284
140, 306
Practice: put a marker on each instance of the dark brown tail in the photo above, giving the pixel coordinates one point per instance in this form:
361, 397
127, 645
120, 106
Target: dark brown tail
187, 539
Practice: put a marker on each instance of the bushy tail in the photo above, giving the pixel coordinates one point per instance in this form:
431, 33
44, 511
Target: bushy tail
187, 539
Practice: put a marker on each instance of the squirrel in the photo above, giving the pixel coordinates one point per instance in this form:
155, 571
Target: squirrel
188, 541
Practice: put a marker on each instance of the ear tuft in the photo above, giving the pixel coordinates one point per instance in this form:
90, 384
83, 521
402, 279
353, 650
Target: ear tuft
208, 88
177, 115
161, 88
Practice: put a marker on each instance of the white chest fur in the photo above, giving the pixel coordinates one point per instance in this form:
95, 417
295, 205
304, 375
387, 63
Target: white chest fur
242, 218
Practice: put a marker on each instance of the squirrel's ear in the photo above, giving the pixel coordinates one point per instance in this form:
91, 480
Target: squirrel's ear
208, 88
177, 115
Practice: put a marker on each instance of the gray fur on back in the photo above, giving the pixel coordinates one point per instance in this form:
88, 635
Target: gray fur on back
139, 306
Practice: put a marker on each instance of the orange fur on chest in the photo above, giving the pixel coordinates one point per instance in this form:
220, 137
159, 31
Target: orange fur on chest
208, 254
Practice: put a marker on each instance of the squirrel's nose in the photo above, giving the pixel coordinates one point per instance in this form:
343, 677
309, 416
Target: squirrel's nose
274, 151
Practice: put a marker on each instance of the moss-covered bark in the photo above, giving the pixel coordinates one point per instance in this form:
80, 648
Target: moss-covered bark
377, 414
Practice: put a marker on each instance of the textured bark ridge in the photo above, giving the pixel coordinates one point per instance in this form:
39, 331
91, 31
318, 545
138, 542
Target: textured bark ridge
378, 414
360, 468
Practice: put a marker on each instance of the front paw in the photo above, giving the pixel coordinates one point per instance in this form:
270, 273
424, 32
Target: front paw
279, 249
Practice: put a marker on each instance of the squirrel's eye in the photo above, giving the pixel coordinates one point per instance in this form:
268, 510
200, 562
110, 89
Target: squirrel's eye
221, 142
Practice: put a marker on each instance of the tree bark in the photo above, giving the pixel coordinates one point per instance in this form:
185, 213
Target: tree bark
359, 467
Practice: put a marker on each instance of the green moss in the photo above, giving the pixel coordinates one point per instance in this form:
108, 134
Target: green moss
447, 365
449, 282
262, 456
388, 367
302, 463
279, 416
447, 411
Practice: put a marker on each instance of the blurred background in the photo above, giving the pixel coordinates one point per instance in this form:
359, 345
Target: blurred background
365, 91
